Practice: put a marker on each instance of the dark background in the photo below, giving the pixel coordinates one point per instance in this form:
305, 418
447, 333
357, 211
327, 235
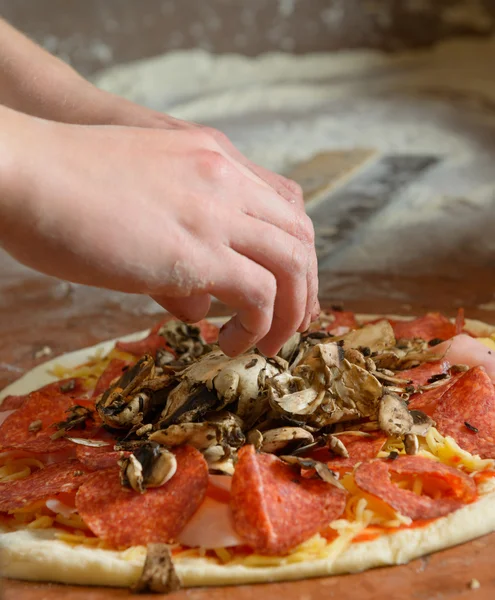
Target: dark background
93, 34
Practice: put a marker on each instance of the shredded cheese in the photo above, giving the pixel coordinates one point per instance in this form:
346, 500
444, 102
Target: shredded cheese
17, 468
74, 539
40, 522
91, 370
446, 449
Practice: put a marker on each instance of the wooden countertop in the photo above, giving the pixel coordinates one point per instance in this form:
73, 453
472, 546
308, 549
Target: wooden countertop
38, 312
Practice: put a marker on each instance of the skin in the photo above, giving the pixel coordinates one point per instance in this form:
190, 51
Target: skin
97, 190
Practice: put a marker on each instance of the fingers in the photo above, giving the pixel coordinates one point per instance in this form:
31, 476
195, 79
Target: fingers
190, 309
312, 305
286, 188
250, 290
288, 259
272, 209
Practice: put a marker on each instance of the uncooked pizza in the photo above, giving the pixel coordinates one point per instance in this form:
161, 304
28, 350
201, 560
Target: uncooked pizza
156, 461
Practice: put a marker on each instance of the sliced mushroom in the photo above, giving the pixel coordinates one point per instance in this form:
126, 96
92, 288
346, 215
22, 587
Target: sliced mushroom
284, 438
255, 437
337, 446
355, 357
230, 379
199, 435
304, 402
222, 428
411, 443
421, 422
218, 461
291, 348
320, 468
159, 575
375, 336
76, 419
184, 339
123, 404
357, 389
394, 417
149, 466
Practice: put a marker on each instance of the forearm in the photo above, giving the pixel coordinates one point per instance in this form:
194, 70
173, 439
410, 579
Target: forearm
34, 82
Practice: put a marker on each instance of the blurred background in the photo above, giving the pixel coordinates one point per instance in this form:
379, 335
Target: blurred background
94, 34
383, 110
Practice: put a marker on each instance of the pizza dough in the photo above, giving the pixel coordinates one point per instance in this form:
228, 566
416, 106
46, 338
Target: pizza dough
38, 555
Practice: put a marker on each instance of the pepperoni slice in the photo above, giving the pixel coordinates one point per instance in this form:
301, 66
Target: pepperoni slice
50, 481
209, 332
113, 371
431, 326
427, 401
274, 508
420, 375
360, 448
40, 412
343, 321
101, 457
466, 412
454, 487
72, 388
123, 517
149, 345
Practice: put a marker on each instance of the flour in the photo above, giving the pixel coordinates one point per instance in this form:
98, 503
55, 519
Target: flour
281, 108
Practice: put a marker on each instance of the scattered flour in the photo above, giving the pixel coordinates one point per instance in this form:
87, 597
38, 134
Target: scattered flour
281, 108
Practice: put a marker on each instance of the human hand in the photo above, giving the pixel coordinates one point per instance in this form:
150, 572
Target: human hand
169, 213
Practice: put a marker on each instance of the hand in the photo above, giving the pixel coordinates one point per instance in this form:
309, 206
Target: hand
115, 110
169, 213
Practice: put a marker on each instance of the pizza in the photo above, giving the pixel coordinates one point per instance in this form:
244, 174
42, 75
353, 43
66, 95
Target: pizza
156, 461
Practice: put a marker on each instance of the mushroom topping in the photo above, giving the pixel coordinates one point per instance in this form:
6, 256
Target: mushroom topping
325, 388
199, 435
289, 394
375, 336
285, 438
355, 357
394, 417
231, 379
291, 348
77, 417
421, 422
337, 446
219, 461
150, 465
320, 468
124, 403
184, 339
225, 429
159, 575
411, 443
255, 437
357, 389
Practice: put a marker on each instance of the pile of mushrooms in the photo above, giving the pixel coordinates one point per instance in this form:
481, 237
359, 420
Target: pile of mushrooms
317, 387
